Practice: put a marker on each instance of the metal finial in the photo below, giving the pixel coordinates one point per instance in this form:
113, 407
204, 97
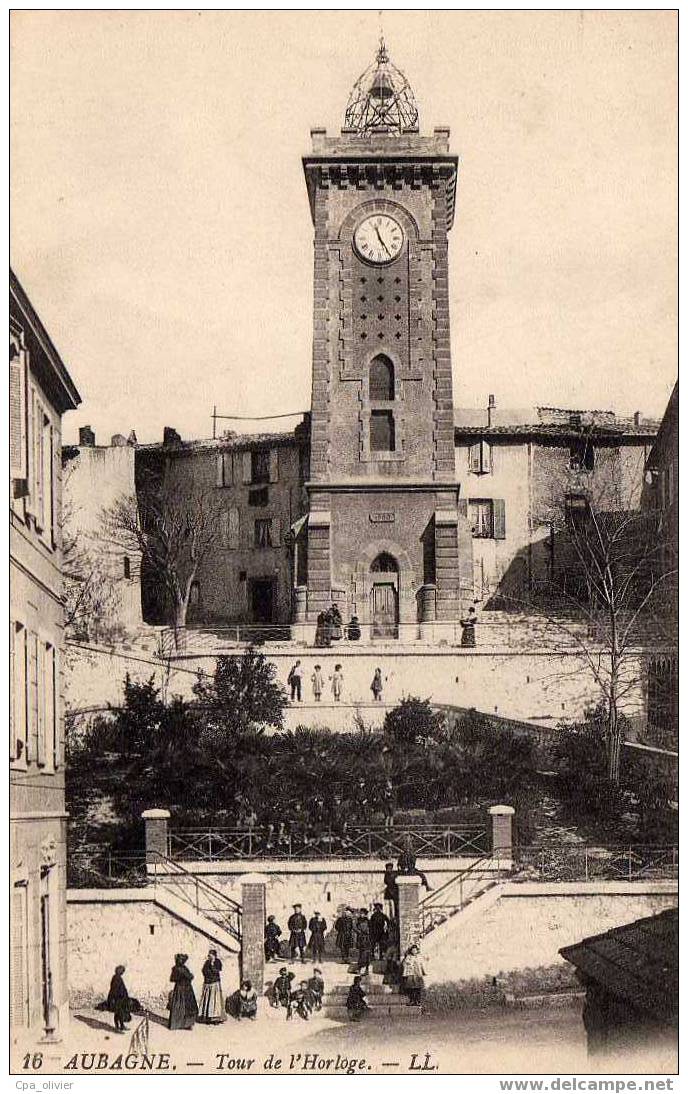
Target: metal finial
382, 98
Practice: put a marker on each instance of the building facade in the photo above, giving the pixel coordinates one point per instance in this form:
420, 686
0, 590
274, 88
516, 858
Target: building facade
386, 500
41, 391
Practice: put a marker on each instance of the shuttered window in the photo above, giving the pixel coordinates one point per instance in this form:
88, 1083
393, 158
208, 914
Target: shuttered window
480, 458
18, 708
274, 465
499, 518
18, 431
32, 696
224, 469
51, 708
230, 528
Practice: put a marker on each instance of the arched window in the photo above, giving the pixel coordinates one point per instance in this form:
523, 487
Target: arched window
381, 382
384, 563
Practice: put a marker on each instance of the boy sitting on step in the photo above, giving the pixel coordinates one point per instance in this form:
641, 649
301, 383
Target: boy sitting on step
316, 986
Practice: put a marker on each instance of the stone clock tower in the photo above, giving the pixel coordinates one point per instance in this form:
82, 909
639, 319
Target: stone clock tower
383, 529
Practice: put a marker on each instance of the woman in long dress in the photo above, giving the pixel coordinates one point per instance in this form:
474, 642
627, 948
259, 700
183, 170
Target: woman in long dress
118, 1000
183, 1005
211, 1006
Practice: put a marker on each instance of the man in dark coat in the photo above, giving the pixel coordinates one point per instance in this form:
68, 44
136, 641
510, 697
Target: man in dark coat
363, 941
297, 936
118, 1000
344, 927
379, 930
391, 893
280, 995
407, 866
317, 926
356, 1000
272, 937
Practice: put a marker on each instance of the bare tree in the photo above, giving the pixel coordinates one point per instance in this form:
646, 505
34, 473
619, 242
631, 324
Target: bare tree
174, 525
90, 592
606, 572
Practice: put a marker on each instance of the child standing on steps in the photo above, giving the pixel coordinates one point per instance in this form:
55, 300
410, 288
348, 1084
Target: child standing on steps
318, 682
337, 682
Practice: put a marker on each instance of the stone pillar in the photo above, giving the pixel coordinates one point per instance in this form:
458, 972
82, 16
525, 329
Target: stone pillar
155, 821
300, 599
428, 608
502, 836
253, 929
409, 914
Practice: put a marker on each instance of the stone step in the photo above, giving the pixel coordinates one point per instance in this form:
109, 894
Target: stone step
375, 1013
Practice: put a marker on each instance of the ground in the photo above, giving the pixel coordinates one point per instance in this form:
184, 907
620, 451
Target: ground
495, 1040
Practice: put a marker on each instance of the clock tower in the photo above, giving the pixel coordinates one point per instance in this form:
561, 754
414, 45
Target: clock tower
384, 529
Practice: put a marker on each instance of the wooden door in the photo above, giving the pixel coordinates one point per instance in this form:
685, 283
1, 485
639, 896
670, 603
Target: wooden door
384, 614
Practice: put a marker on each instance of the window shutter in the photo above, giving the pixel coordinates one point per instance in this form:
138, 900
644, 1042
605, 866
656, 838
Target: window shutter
13, 692
276, 532
18, 459
19, 691
274, 465
31, 695
41, 721
474, 458
233, 528
38, 462
499, 519
462, 508
52, 739
485, 457
247, 475
220, 469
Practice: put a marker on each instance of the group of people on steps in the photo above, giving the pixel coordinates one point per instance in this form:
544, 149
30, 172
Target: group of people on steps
369, 936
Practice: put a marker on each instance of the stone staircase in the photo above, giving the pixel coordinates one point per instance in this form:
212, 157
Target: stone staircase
385, 1000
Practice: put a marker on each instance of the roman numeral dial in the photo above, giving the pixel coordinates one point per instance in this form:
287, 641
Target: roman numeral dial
378, 239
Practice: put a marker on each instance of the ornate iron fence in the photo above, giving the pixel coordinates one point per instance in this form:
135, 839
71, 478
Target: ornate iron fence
590, 863
452, 897
101, 868
429, 841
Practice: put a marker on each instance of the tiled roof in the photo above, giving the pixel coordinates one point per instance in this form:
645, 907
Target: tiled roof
222, 444
538, 429
637, 962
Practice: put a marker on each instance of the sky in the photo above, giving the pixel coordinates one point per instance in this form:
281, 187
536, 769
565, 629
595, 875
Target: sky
160, 223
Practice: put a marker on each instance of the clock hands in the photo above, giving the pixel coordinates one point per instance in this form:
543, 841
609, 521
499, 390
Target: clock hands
377, 232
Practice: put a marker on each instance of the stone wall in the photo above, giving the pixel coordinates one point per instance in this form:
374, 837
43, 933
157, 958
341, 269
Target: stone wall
529, 923
536, 686
108, 928
318, 886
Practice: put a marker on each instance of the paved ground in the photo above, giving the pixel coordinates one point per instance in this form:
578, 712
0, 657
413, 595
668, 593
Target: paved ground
488, 1042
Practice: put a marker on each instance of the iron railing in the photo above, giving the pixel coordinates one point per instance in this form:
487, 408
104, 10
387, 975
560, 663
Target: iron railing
509, 631
590, 863
459, 891
199, 894
101, 868
429, 841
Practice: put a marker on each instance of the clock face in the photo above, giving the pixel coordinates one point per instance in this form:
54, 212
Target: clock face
378, 239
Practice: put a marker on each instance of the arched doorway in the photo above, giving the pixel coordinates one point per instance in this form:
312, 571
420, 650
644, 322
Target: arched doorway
384, 597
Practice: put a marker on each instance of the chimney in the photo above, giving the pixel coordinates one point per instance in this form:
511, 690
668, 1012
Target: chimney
132, 439
491, 405
636, 418
87, 438
118, 440
170, 436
